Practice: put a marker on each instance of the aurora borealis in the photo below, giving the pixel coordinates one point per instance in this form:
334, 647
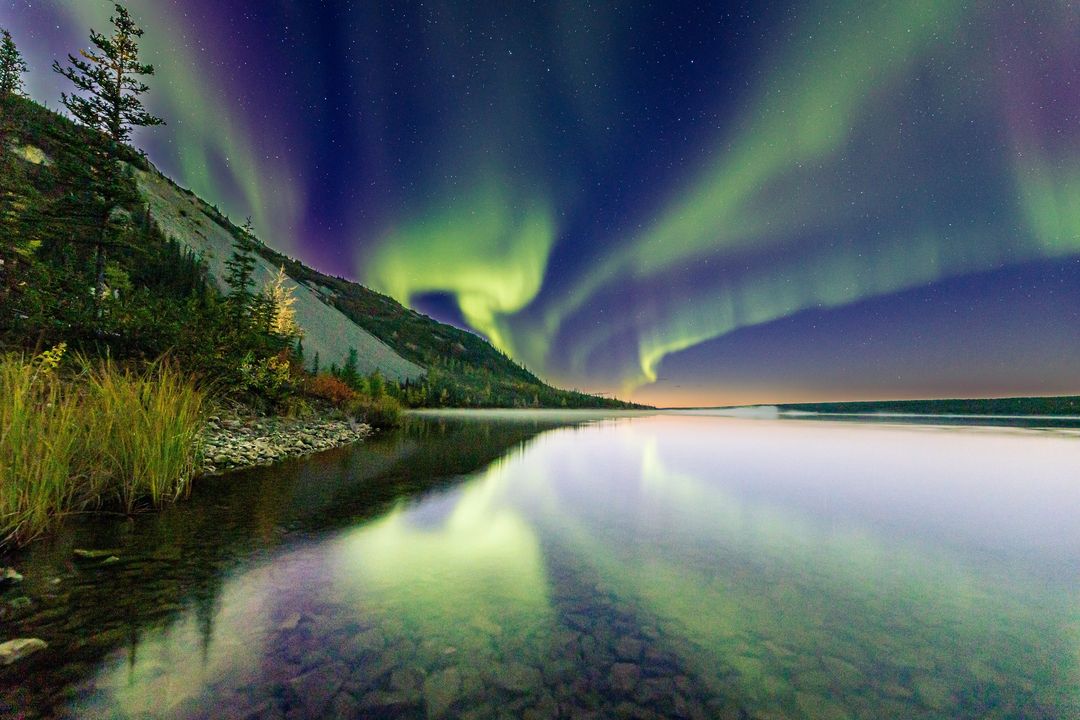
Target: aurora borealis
680, 202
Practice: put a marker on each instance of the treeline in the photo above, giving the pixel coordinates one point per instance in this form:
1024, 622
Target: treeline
1067, 405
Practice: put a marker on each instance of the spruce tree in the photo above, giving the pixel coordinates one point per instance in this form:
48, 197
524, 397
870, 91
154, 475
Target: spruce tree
239, 273
109, 78
109, 86
350, 373
12, 66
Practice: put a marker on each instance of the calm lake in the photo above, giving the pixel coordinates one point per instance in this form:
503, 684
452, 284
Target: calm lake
543, 565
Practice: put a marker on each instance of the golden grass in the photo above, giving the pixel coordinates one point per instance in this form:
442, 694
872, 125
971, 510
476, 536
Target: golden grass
105, 437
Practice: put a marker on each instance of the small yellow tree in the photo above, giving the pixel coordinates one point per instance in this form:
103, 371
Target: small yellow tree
283, 316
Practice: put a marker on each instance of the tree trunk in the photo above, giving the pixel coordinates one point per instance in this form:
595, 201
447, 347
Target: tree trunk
100, 252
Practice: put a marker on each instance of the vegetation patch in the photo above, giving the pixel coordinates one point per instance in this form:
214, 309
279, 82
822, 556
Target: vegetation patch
95, 435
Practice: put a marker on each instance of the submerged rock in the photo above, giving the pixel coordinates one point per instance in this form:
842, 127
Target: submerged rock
628, 648
17, 649
94, 554
624, 676
442, 690
519, 678
934, 693
315, 689
8, 576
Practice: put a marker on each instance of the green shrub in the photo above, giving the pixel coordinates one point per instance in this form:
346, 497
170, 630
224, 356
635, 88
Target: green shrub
380, 412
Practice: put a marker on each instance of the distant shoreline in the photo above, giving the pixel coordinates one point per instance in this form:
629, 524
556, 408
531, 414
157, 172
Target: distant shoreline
1058, 407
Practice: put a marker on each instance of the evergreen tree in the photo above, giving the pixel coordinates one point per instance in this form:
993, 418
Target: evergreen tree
12, 66
350, 375
109, 76
108, 94
315, 364
239, 271
376, 385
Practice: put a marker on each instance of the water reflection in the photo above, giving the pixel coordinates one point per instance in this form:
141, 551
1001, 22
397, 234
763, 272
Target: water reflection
650, 566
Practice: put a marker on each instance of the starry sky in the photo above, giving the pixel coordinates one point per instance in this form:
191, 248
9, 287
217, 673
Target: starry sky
683, 203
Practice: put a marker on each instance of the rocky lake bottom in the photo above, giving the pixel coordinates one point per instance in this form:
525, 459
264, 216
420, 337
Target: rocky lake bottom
572, 566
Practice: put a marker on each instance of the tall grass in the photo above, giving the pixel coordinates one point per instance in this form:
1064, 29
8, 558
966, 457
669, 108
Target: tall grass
142, 429
41, 433
104, 436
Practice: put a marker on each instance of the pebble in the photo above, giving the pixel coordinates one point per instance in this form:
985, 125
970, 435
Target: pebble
17, 649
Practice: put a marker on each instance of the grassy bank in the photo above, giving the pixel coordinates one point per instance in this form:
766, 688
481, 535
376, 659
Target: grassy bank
98, 436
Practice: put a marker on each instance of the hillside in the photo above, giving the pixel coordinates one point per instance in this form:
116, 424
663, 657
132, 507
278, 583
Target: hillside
434, 364
185, 217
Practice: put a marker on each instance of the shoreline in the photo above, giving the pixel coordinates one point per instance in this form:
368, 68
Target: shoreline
228, 444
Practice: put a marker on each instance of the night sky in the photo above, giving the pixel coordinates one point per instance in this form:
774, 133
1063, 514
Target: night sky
680, 202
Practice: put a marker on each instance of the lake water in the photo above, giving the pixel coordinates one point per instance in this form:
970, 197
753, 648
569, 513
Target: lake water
509, 565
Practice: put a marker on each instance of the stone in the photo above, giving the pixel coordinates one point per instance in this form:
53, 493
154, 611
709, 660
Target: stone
842, 671
344, 706
387, 703
93, 554
14, 650
315, 689
441, 691
654, 690
519, 678
628, 648
364, 643
8, 576
932, 692
290, 622
407, 681
820, 707
624, 676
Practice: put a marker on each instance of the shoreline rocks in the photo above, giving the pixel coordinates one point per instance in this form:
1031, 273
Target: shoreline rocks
232, 444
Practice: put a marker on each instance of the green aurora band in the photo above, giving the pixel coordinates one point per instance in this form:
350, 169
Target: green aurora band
760, 192
779, 174
485, 249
